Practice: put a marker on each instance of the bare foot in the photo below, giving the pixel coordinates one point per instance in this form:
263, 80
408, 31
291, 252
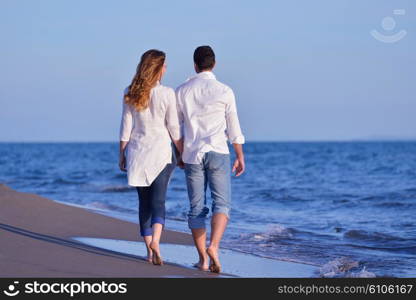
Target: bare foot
215, 265
150, 257
156, 258
202, 265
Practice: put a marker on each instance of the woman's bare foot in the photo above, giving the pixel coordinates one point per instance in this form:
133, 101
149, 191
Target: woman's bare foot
149, 254
215, 265
156, 258
149, 257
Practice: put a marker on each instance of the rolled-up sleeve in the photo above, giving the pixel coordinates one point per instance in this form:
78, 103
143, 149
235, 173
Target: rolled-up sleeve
126, 125
235, 136
172, 117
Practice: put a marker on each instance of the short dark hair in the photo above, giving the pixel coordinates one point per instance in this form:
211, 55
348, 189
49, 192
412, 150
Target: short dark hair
204, 58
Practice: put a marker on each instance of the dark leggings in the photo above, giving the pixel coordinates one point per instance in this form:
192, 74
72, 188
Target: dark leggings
152, 200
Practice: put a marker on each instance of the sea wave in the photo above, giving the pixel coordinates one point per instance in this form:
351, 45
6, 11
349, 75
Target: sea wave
275, 195
66, 181
394, 204
275, 232
109, 207
119, 176
116, 189
371, 236
344, 267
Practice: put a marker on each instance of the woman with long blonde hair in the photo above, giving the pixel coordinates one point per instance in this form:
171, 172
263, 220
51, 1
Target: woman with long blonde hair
149, 124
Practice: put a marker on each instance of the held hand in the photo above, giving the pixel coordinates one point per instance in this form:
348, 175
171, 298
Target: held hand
239, 166
181, 164
122, 163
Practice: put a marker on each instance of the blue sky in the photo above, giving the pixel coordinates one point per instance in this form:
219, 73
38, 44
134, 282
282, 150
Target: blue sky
301, 70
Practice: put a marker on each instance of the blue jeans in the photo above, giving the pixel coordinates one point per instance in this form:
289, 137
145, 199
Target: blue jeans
214, 171
152, 200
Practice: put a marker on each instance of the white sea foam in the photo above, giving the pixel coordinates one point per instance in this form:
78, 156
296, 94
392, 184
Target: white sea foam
362, 274
337, 267
275, 231
98, 205
341, 267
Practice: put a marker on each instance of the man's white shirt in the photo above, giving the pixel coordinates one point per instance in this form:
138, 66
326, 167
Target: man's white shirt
208, 116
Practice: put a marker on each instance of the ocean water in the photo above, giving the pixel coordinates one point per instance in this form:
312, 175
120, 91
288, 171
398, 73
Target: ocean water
347, 207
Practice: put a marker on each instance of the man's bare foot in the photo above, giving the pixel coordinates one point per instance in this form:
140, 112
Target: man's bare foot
202, 265
214, 265
156, 258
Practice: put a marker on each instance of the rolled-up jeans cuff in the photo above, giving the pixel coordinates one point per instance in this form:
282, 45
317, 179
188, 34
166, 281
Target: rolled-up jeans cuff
158, 220
222, 210
146, 231
196, 223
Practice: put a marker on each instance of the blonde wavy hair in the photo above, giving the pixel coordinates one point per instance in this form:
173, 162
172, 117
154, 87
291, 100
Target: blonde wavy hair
148, 72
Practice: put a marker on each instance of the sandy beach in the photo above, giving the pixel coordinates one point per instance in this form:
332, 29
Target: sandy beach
35, 239
40, 237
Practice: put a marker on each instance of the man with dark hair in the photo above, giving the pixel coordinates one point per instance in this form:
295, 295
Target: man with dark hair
208, 115
204, 58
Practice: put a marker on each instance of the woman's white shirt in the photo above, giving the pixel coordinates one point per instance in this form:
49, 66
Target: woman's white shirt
149, 134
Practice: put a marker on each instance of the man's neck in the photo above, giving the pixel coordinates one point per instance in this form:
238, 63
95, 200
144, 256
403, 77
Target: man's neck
206, 70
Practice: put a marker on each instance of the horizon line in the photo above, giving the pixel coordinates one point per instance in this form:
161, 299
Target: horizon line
247, 141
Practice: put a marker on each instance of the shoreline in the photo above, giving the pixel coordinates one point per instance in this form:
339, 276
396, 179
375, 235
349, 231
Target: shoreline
85, 242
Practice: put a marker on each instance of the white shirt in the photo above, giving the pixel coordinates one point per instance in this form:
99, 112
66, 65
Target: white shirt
208, 116
149, 133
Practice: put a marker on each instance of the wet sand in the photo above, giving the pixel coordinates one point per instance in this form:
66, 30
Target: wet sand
36, 241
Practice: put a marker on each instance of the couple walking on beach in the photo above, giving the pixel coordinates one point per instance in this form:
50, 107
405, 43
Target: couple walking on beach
161, 129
